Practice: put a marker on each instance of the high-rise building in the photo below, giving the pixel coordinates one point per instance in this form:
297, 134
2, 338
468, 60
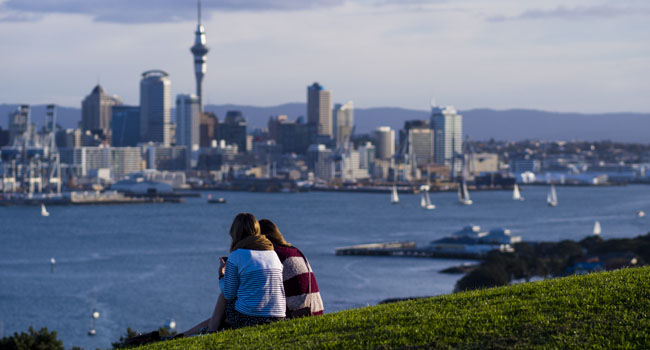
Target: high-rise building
233, 130
319, 111
416, 141
187, 121
96, 113
319, 159
207, 128
344, 115
125, 126
120, 160
19, 125
200, 52
155, 107
447, 127
385, 142
294, 137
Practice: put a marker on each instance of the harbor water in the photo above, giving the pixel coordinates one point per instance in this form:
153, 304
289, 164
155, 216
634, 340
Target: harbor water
141, 265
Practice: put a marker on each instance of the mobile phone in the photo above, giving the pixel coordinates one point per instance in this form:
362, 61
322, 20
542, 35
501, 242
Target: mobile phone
224, 258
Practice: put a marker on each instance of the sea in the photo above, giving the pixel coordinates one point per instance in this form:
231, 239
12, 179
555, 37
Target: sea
143, 265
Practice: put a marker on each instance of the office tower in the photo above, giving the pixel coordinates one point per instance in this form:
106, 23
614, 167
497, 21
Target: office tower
120, 160
385, 142
233, 130
344, 115
416, 141
200, 52
294, 137
155, 107
319, 159
319, 111
19, 125
125, 126
207, 128
447, 127
274, 124
187, 121
4, 137
96, 113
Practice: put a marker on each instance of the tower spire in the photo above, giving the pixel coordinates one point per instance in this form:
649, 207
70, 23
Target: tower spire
199, 51
199, 9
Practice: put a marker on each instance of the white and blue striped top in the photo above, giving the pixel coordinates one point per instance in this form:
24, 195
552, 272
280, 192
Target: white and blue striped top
254, 279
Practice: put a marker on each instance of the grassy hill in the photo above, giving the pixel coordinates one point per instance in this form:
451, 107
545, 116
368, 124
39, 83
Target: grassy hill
604, 310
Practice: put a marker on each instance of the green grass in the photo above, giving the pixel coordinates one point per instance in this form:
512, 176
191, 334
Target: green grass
605, 310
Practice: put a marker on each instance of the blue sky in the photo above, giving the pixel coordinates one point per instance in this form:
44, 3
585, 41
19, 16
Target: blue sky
570, 55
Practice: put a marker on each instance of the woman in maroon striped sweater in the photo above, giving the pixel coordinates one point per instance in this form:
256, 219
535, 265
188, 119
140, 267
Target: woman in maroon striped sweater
300, 287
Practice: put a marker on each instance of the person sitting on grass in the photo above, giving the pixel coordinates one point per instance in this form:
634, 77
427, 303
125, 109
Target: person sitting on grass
250, 280
300, 287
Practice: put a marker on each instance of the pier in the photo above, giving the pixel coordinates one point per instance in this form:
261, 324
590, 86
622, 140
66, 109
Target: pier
405, 249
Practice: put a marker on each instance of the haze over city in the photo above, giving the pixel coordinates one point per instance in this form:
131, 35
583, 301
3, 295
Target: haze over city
581, 56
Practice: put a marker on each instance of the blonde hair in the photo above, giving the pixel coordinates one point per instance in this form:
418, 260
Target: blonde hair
244, 225
271, 231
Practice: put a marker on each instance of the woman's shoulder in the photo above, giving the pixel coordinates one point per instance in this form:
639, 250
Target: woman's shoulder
287, 252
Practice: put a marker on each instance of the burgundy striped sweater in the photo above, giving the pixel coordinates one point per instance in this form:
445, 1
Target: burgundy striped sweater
296, 273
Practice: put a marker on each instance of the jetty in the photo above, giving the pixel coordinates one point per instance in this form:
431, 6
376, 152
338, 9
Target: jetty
80, 198
407, 249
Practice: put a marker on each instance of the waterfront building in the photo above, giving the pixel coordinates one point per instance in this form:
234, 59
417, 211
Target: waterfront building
155, 107
233, 130
200, 53
385, 142
350, 167
319, 111
447, 126
367, 153
344, 116
485, 163
167, 157
86, 160
125, 126
96, 111
524, 164
19, 124
187, 121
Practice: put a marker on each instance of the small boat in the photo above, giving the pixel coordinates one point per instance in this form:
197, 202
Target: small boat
463, 194
425, 201
551, 198
597, 229
516, 195
92, 332
394, 198
44, 211
219, 200
640, 213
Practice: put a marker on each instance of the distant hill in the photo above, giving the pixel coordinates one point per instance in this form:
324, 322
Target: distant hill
479, 124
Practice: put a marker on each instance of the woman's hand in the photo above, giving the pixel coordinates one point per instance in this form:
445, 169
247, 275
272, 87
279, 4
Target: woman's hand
222, 267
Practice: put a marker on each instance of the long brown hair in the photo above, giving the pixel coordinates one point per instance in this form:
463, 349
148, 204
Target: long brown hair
271, 231
244, 225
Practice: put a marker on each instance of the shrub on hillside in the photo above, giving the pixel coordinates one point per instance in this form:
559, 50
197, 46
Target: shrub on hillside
41, 340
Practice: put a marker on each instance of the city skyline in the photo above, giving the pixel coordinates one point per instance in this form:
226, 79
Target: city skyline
581, 56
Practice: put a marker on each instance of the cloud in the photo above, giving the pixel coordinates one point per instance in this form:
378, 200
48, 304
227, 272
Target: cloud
568, 13
144, 11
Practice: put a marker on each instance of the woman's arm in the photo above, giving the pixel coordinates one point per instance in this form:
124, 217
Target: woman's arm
230, 282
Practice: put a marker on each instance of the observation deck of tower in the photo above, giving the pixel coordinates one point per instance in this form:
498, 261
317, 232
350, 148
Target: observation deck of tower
200, 52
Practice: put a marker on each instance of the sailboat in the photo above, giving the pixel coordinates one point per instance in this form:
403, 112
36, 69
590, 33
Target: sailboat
463, 194
597, 229
516, 195
44, 211
394, 198
551, 198
425, 201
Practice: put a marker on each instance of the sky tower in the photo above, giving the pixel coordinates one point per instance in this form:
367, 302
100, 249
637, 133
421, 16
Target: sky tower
199, 51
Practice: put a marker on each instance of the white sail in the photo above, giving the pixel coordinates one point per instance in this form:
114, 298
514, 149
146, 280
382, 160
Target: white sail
394, 198
516, 195
44, 211
597, 229
463, 194
551, 198
425, 202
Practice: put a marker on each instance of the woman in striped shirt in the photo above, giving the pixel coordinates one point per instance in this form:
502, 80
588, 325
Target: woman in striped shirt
300, 287
250, 278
